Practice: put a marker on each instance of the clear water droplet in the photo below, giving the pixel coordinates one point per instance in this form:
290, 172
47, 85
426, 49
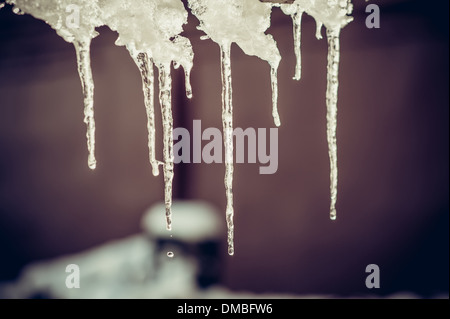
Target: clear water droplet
170, 254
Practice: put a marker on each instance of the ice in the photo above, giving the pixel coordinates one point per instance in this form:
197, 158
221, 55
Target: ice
145, 65
332, 97
165, 88
151, 26
59, 15
244, 23
334, 15
227, 122
274, 85
82, 49
150, 30
296, 13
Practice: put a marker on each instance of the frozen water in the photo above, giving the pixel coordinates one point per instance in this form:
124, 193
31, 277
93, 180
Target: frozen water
244, 23
75, 22
150, 30
334, 15
145, 65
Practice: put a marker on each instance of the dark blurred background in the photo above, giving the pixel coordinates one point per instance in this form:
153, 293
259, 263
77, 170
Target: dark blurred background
393, 153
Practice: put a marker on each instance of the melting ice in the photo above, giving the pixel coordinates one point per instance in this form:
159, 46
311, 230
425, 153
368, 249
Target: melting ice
150, 30
56, 14
244, 23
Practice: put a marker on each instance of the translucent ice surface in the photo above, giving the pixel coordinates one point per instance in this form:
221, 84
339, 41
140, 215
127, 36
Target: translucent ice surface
244, 23
333, 14
150, 30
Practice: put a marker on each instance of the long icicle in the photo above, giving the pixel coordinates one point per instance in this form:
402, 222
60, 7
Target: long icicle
165, 100
82, 49
145, 65
332, 97
227, 122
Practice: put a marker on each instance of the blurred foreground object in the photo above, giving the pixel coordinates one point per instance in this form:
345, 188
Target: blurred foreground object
195, 237
137, 266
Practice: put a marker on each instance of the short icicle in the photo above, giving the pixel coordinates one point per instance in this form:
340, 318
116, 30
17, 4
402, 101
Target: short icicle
297, 26
227, 122
165, 101
82, 49
274, 84
332, 97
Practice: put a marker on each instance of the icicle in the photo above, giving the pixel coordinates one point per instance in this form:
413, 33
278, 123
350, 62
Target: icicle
227, 122
145, 65
319, 30
187, 83
332, 97
274, 83
165, 97
297, 23
82, 49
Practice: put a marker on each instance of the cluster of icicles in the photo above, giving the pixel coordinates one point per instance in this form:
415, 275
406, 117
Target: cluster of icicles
150, 30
